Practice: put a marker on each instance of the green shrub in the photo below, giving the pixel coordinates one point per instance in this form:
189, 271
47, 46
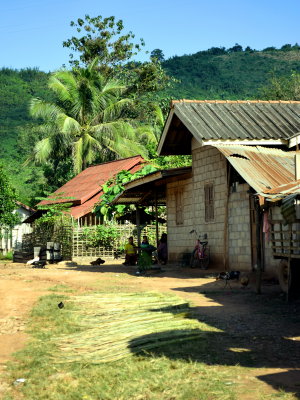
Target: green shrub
7, 256
103, 235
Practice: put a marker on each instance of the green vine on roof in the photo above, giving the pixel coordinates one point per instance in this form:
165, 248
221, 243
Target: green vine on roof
115, 186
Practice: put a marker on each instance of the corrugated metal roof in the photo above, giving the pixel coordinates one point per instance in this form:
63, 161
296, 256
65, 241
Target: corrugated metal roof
234, 120
240, 119
262, 168
282, 191
85, 189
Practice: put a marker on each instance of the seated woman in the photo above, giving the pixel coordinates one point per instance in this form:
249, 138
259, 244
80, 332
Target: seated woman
145, 259
130, 252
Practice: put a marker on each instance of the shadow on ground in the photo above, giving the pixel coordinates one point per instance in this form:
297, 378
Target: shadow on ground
156, 271
241, 328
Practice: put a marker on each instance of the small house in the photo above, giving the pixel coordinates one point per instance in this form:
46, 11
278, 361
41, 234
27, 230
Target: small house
11, 239
240, 150
84, 191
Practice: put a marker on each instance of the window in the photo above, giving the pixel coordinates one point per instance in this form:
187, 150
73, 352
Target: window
179, 206
209, 202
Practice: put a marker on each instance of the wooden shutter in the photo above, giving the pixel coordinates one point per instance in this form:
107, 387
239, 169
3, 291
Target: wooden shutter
179, 207
209, 202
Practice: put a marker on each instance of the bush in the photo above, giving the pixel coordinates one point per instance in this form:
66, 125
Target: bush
103, 235
7, 256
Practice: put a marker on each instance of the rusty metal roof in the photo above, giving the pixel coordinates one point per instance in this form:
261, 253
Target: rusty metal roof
230, 120
262, 168
283, 191
85, 189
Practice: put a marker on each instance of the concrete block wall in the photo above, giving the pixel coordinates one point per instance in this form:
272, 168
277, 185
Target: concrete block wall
179, 239
209, 166
239, 229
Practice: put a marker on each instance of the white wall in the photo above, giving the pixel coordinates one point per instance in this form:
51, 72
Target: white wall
12, 239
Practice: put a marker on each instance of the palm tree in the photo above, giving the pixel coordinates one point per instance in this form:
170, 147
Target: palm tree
87, 119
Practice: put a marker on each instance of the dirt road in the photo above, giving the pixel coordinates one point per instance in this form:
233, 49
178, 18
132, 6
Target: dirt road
266, 326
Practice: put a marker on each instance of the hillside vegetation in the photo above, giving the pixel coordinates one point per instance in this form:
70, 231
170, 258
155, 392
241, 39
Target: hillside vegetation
16, 90
229, 75
212, 74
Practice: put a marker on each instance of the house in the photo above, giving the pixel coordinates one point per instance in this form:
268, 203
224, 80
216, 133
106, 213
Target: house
241, 150
11, 239
85, 189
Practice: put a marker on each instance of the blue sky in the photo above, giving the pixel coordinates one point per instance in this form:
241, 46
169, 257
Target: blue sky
32, 31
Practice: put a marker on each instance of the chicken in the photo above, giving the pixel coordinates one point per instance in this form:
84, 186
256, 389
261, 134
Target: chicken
99, 261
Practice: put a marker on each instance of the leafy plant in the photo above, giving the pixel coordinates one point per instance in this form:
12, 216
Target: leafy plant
103, 235
57, 209
114, 187
8, 199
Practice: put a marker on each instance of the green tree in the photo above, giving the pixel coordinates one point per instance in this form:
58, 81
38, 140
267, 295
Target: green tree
285, 87
158, 55
86, 120
102, 38
7, 201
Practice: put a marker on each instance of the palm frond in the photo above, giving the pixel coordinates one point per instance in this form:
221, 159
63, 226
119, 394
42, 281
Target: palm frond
114, 130
68, 125
91, 147
44, 110
146, 134
42, 150
61, 82
115, 109
124, 147
158, 115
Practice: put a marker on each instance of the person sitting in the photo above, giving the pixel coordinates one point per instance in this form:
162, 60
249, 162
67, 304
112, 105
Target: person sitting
130, 252
162, 250
145, 259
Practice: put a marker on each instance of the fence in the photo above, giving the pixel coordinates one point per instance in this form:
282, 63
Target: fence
285, 239
75, 240
81, 245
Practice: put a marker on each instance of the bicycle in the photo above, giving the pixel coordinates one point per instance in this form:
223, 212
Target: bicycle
200, 254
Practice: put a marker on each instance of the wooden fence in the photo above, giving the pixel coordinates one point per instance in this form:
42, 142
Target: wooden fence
285, 239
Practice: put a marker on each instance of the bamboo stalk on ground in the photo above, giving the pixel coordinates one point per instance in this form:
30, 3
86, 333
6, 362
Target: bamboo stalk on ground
115, 326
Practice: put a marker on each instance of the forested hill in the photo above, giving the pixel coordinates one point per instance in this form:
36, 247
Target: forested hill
16, 90
229, 74
212, 74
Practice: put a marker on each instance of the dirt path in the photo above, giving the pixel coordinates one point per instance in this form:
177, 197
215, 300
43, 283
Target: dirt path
264, 325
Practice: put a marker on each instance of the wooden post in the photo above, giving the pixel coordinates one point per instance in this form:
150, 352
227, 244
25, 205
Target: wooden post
288, 294
225, 233
258, 249
138, 221
156, 218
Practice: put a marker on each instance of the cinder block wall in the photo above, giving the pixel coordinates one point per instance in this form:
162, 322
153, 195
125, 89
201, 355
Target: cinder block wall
179, 239
239, 230
209, 166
